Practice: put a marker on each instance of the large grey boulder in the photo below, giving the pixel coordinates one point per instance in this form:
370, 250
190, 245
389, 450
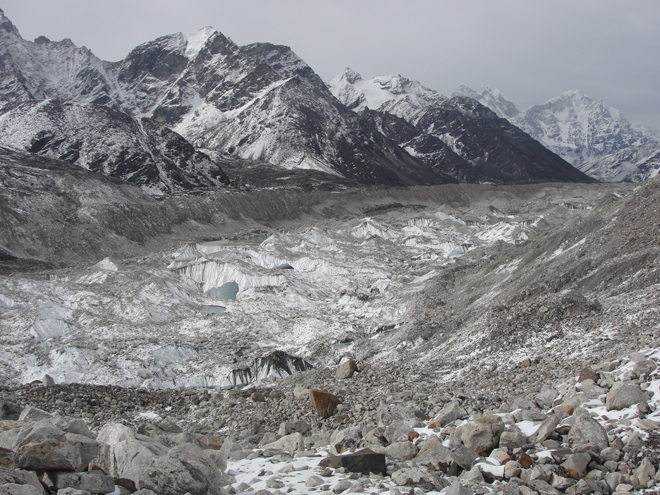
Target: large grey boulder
586, 430
546, 397
511, 440
346, 370
42, 446
126, 454
450, 412
288, 443
403, 451
548, 426
15, 489
72, 425
393, 413
21, 477
482, 434
185, 469
94, 482
416, 477
33, 414
624, 394
435, 456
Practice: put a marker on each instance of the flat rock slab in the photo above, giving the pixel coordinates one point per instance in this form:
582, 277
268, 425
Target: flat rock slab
364, 461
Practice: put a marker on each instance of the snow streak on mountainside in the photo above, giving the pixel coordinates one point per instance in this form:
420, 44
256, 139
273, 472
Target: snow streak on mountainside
596, 139
458, 135
260, 102
108, 141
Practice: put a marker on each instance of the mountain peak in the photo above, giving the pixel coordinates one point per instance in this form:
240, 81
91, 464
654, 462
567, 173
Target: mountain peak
7, 25
195, 41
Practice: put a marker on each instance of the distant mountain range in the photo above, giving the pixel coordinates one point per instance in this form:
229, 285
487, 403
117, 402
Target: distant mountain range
596, 139
178, 110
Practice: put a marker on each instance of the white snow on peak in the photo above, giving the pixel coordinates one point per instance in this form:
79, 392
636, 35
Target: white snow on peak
195, 41
391, 93
491, 98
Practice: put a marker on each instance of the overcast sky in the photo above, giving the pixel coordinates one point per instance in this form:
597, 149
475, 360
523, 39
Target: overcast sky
531, 50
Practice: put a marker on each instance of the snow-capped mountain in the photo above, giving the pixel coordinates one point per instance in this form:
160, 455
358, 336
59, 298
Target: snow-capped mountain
458, 135
259, 102
491, 98
596, 139
110, 142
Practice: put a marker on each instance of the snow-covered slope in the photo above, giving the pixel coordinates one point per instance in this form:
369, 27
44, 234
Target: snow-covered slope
260, 102
478, 145
596, 139
491, 98
110, 142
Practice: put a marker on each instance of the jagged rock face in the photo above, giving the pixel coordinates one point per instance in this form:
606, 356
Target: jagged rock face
632, 164
260, 102
579, 128
458, 136
45, 69
110, 142
597, 140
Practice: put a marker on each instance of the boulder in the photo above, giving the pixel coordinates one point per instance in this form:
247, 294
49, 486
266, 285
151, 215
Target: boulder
546, 397
48, 381
482, 434
288, 443
323, 403
72, 425
345, 440
397, 432
346, 370
14, 489
185, 469
20, 477
6, 458
575, 465
435, 456
458, 489
124, 453
415, 477
624, 394
364, 461
393, 413
403, 451
645, 367
512, 440
93, 481
586, 430
33, 414
42, 446
300, 392
288, 427
450, 412
548, 426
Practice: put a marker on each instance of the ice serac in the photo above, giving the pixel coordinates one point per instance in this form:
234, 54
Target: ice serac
108, 141
458, 135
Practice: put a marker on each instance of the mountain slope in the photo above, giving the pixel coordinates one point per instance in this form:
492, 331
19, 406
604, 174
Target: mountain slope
260, 102
485, 147
110, 142
596, 139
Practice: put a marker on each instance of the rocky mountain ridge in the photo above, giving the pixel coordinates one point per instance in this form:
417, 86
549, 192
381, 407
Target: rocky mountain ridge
457, 135
596, 139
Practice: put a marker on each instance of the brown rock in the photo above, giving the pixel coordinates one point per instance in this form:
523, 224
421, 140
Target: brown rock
323, 402
525, 461
211, 442
6, 458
